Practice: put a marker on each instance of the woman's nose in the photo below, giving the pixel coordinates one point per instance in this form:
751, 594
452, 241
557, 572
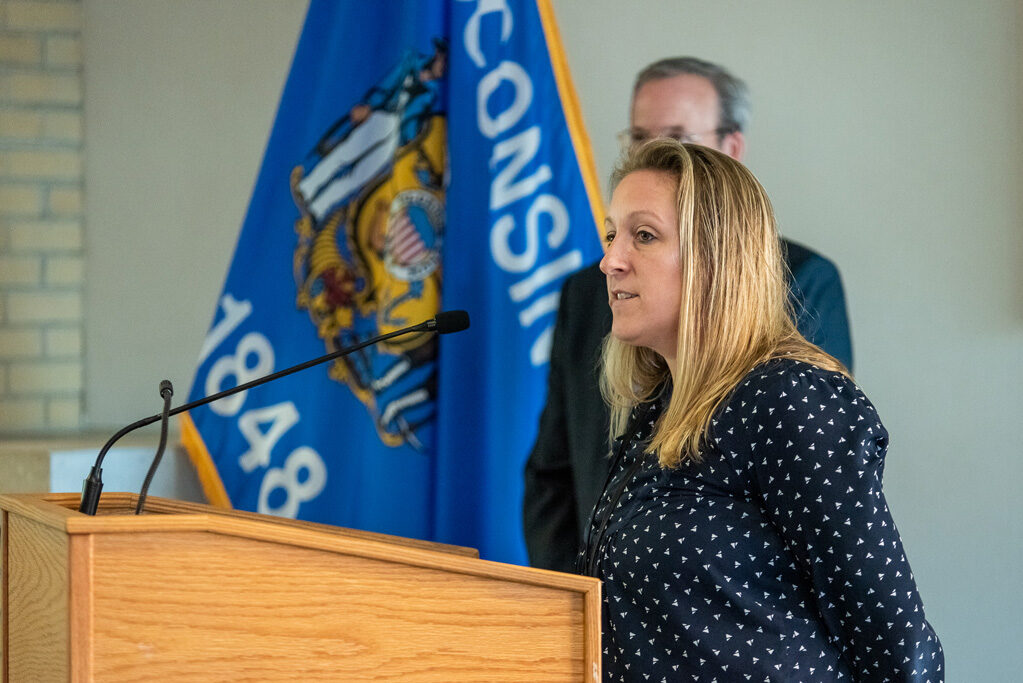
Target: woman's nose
613, 261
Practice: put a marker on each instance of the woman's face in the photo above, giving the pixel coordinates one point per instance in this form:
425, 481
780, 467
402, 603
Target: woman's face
644, 277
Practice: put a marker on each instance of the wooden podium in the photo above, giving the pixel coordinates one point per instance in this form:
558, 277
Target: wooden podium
191, 592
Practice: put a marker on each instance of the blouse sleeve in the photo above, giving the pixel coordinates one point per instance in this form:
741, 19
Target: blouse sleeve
817, 448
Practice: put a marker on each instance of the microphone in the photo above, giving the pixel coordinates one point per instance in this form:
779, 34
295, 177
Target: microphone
449, 321
166, 391
444, 322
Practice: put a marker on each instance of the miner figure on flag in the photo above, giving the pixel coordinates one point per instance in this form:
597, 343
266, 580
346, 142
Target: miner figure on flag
371, 197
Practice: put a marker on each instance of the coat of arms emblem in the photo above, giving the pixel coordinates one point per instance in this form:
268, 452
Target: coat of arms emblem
367, 261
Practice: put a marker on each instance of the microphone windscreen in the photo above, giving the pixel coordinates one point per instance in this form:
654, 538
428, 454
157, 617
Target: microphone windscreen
166, 389
451, 321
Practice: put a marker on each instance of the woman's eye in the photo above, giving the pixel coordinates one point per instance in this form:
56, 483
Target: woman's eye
608, 237
644, 236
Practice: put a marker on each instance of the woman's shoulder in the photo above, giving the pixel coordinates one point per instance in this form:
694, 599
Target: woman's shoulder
802, 400
784, 381
792, 371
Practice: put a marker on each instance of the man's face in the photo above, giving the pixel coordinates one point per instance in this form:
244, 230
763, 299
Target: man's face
683, 107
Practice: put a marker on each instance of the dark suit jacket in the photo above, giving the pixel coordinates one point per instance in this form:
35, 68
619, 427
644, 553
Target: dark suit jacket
568, 465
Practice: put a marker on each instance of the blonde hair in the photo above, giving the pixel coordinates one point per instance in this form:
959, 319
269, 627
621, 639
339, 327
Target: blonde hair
735, 311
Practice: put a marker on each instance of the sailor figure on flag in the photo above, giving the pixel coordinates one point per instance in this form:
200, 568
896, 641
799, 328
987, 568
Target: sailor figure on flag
371, 197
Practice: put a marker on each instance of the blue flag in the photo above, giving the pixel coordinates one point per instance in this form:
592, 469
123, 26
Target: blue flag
426, 155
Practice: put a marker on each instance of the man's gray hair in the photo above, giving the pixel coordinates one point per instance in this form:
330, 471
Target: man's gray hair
732, 92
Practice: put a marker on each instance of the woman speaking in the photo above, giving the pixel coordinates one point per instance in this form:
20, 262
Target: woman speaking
742, 534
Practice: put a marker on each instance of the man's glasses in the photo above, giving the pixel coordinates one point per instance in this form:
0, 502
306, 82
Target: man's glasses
632, 137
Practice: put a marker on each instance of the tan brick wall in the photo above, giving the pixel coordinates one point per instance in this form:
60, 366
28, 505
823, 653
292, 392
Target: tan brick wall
43, 16
41, 231
63, 342
20, 49
18, 414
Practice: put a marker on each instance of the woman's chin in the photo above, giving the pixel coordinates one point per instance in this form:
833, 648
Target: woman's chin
624, 336
631, 340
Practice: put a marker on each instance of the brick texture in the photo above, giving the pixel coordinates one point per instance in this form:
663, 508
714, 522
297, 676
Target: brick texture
63, 342
22, 415
43, 16
19, 49
62, 126
20, 343
63, 413
63, 51
20, 270
16, 124
65, 201
41, 164
38, 307
42, 262
45, 377
41, 88
64, 270
20, 200
56, 235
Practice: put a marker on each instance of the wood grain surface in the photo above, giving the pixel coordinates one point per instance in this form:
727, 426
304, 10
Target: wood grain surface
37, 585
4, 592
188, 592
178, 606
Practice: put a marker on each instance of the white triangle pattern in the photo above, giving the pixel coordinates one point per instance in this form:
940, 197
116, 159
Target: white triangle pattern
775, 557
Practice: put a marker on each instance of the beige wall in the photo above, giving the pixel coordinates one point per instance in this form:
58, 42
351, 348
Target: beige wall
888, 135
179, 100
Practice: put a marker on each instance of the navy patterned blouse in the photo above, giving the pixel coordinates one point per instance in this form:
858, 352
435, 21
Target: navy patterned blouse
772, 559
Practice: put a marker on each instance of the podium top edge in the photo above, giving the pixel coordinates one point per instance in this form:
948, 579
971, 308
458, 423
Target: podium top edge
163, 515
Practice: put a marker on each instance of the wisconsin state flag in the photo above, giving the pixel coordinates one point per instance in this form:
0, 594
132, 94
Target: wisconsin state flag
426, 156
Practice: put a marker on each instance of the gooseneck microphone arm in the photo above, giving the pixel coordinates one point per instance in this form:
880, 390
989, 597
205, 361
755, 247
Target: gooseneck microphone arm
444, 323
166, 391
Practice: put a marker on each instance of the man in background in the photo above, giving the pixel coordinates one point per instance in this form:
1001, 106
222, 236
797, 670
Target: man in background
690, 100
